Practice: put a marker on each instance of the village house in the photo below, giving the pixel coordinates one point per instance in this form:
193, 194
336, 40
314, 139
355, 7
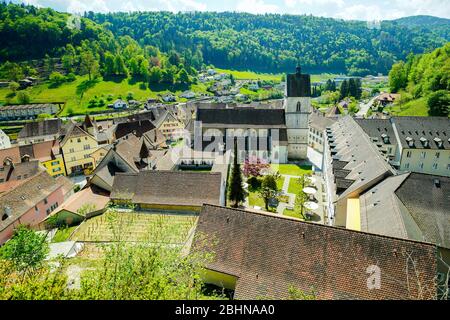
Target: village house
27, 111
129, 154
48, 153
386, 99
77, 146
266, 256
39, 131
179, 191
119, 104
13, 174
29, 203
5, 142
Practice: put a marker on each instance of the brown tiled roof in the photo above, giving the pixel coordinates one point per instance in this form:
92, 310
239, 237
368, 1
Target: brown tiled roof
168, 188
41, 128
139, 128
17, 174
42, 151
26, 196
269, 254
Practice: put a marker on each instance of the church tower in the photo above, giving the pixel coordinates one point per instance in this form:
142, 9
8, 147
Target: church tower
297, 106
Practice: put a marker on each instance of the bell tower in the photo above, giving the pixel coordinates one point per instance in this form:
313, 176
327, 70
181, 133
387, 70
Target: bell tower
297, 106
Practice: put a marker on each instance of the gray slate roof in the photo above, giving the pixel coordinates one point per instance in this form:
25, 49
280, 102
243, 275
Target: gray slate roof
399, 207
242, 116
168, 188
41, 128
423, 127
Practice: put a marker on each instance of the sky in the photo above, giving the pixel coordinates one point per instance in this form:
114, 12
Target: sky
342, 9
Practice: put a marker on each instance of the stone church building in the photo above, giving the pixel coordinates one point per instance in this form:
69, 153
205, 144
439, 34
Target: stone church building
277, 135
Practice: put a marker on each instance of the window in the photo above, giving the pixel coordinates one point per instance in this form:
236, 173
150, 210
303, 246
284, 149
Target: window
423, 154
299, 106
78, 140
56, 170
437, 155
73, 159
86, 147
448, 166
435, 166
71, 150
86, 156
45, 201
2, 180
421, 165
55, 163
408, 154
36, 209
406, 165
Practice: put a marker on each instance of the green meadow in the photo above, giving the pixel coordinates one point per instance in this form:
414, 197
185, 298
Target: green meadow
78, 94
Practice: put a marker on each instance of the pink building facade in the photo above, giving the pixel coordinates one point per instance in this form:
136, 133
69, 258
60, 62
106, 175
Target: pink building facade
34, 216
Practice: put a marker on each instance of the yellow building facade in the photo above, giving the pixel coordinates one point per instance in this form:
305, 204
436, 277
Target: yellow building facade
77, 147
55, 167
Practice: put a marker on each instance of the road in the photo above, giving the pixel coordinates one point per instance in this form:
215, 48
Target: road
364, 107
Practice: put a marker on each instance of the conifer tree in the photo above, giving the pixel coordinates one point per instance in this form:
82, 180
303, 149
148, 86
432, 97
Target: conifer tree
236, 191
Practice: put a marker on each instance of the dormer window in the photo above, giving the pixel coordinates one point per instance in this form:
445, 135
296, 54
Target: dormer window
410, 141
439, 142
424, 142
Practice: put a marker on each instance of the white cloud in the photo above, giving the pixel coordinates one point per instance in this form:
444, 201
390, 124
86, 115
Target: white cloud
365, 12
77, 6
301, 3
256, 6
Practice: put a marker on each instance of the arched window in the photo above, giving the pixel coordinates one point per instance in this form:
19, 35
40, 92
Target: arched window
299, 106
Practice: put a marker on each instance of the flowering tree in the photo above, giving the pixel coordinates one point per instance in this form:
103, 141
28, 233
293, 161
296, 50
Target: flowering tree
254, 166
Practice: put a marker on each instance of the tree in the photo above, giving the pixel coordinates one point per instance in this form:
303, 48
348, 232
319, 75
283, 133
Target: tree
439, 103
89, 65
14, 86
56, 78
344, 89
183, 77
254, 166
120, 67
236, 192
397, 77
26, 249
11, 71
23, 97
109, 66
269, 189
301, 197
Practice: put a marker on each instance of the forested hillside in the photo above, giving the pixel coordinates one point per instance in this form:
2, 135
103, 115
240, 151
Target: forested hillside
274, 43
424, 79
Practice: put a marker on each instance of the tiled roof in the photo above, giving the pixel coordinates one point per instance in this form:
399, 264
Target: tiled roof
18, 174
168, 188
425, 132
399, 207
352, 145
269, 254
41, 128
138, 128
24, 197
242, 116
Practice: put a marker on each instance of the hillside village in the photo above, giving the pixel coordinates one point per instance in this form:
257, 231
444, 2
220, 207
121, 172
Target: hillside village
283, 194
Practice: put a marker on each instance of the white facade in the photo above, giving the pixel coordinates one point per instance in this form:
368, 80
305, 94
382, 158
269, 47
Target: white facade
5, 142
297, 110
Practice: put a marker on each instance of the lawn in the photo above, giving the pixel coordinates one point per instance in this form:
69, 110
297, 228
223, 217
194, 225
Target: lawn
254, 198
250, 75
137, 226
411, 108
292, 214
63, 234
78, 93
291, 169
294, 186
